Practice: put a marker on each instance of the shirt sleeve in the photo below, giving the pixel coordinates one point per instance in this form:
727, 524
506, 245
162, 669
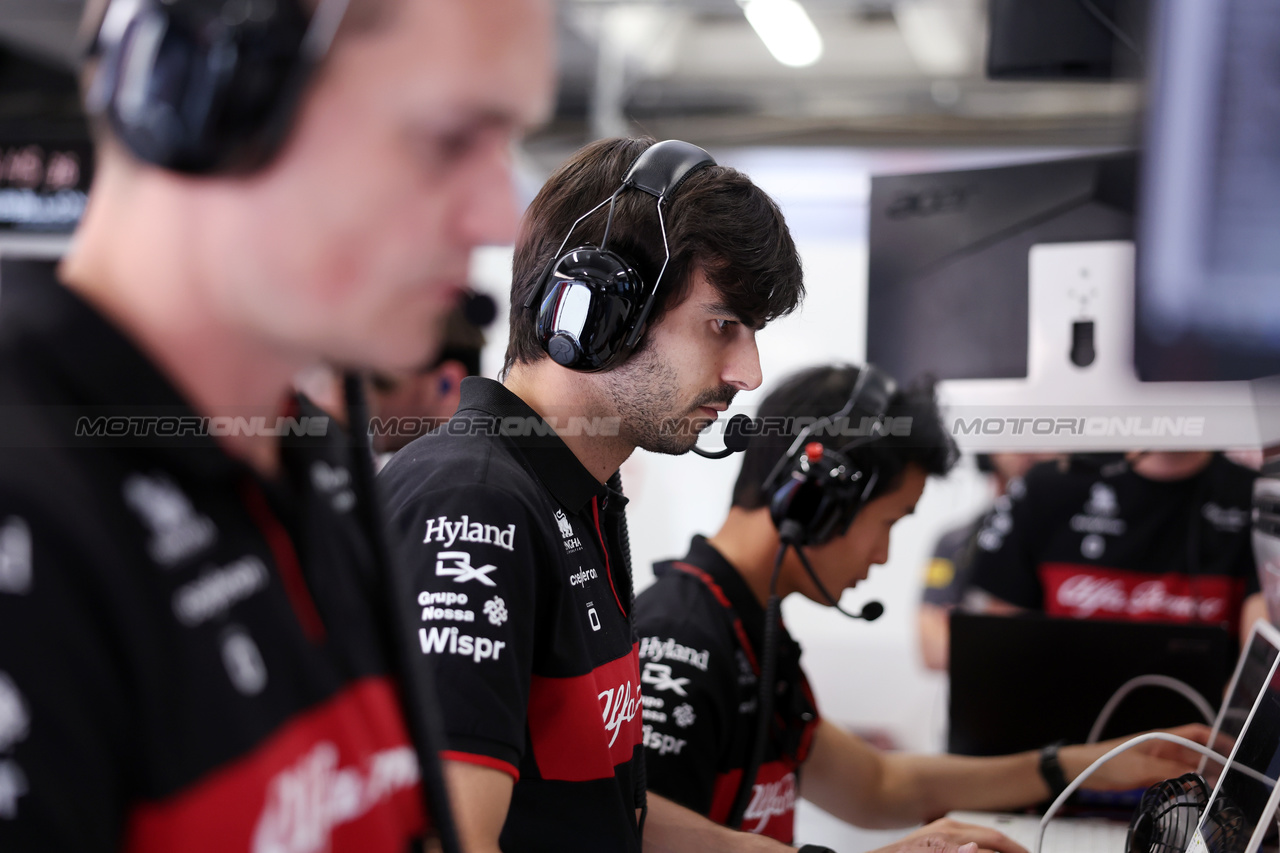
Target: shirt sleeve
946, 575
1005, 560
689, 685
63, 710
472, 555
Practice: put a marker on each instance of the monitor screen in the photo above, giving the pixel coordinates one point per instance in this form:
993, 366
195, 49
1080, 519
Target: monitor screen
1208, 292
947, 288
1065, 39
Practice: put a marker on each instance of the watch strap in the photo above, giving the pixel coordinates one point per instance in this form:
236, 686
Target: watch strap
1051, 771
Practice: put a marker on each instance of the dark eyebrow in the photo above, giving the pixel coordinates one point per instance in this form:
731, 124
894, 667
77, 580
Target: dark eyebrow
722, 307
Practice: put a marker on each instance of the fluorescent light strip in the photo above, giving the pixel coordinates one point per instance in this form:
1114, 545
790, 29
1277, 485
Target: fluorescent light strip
786, 29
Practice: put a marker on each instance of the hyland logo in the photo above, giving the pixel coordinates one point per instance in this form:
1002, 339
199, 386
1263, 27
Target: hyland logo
621, 704
447, 532
572, 543
334, 481
654, 649
662, 744
457, 564
659, 675
771, 800
177, 530
449, 641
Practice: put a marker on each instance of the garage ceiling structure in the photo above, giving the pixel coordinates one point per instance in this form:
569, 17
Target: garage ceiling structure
891, 73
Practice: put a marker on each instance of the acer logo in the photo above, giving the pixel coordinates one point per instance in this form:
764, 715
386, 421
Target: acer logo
929, 202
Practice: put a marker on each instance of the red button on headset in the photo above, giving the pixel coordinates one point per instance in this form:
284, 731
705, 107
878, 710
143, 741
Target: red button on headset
813, 450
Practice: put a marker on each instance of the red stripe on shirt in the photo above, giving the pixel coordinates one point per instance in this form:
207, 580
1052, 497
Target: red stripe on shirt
341, 776
1083, 591
286, 560
595, 513
482, 760
582, 727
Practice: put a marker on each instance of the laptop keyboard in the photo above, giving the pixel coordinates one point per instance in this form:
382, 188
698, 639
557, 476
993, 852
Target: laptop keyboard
1065, 835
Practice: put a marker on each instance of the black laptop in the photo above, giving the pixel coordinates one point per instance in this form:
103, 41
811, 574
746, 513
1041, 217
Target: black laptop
1021, 682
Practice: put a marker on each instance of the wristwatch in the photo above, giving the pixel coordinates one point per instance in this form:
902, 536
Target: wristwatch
1051, 771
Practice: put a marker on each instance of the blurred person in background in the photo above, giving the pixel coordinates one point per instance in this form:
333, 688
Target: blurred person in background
1144, 536
411, 404
948, 572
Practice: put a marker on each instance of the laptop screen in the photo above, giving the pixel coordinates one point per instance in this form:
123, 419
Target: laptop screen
1241, 800
1252, 671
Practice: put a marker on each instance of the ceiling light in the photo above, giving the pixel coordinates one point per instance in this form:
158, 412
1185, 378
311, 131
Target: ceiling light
786, 29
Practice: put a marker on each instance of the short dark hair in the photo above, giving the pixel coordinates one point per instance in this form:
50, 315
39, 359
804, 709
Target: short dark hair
717, 221
822, 391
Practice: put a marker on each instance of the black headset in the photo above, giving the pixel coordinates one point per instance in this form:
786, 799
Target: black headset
814, 491
592, 305
206, 87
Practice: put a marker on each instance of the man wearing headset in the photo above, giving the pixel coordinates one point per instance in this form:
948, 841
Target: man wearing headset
194, 646
703, 640
510, 519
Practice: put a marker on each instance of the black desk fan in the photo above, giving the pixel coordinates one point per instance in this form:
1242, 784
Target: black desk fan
1169, 813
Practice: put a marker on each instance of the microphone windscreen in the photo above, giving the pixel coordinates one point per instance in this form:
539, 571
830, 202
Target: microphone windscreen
479, 308
734, 439
871, 611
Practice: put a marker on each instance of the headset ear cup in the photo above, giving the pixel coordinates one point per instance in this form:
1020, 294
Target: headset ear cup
591, 302
194, 89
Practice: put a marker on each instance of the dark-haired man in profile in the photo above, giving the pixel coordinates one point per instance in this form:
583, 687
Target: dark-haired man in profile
193, 645
515, 536
701, 628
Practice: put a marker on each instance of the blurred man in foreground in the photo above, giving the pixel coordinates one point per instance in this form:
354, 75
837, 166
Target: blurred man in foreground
194, 647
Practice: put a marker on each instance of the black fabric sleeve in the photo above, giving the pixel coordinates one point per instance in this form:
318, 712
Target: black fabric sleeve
472, 557
1006, 552
63, 711
947, 574
690, 697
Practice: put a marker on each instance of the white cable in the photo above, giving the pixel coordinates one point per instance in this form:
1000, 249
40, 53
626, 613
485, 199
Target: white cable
1127, 745
1180, 687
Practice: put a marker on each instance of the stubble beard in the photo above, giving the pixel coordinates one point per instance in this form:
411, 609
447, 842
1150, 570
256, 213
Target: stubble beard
644, 392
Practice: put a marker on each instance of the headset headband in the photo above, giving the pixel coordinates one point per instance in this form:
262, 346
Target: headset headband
873, 384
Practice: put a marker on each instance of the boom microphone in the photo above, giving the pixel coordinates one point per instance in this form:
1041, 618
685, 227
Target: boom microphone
871, 611
735, 441
479, 308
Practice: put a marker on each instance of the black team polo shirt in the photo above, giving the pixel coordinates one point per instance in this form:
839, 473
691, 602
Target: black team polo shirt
701, 642
1107, 543
190, 656
523, 594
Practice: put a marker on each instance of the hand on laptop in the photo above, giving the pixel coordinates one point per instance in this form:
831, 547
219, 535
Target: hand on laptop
1140, 767
951, 836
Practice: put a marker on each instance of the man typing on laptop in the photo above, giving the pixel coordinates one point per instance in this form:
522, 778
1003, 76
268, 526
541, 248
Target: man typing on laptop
705, 650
